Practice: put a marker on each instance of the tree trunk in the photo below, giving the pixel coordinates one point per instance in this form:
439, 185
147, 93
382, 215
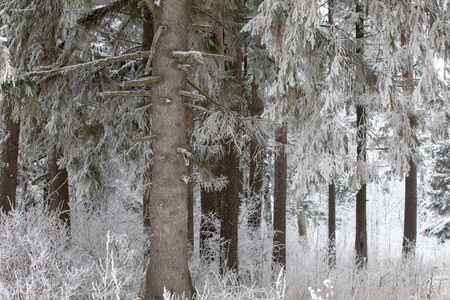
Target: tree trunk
279, 202
168, 268
9, 155
410, 222
256, 164
410, 218
230, 167
58, 193
331, 225
230, 209
361, 197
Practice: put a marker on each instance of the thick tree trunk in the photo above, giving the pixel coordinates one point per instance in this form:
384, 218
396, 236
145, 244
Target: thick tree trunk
331, 225
361, 197
256, 164
9, 155
168, 268
410, 222
279, 202
58, 193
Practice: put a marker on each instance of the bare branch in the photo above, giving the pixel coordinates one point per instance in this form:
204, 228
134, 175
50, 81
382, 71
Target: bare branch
192, 95
153, 48
144, 139
198, 54
141, 81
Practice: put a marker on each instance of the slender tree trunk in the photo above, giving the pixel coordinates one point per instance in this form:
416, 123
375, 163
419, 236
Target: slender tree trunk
168, 268
147, 38
361, 197
230, 167
331, 225
58, 193
256, 164
410, 218
279, 202
410, 222
230, 210
9, 155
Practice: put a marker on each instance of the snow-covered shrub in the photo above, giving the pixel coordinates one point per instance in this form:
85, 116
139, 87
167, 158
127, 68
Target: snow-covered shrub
36, 261
118, 273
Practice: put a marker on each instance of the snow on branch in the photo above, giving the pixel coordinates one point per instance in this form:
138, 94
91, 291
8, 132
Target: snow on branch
192, 95
200, 55
87, 65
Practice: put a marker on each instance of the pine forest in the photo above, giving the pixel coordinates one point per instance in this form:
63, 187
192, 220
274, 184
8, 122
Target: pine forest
224, 149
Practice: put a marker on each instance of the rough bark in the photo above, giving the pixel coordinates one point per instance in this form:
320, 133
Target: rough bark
9, 155
279, 202
331, 225
168, 267
361, 197
58, 192
256, 164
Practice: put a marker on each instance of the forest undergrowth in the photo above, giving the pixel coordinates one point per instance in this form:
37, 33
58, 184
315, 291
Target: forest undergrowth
103, 259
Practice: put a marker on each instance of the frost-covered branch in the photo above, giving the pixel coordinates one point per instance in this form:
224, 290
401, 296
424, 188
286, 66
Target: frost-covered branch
88, 65
94, 17
141, 81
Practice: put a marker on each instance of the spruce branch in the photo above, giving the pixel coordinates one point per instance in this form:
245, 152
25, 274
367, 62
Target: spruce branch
144, 139
87, 65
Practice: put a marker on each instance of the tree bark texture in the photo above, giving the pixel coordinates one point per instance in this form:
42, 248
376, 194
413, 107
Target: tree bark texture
58, 192
331, 225
279, 202
256, 164
361, 147
9, 155
168, 267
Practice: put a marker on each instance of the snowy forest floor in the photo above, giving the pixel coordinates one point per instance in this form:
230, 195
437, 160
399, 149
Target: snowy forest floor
103, 259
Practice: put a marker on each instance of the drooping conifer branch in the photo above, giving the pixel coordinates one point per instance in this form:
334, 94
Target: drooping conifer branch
87, 65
